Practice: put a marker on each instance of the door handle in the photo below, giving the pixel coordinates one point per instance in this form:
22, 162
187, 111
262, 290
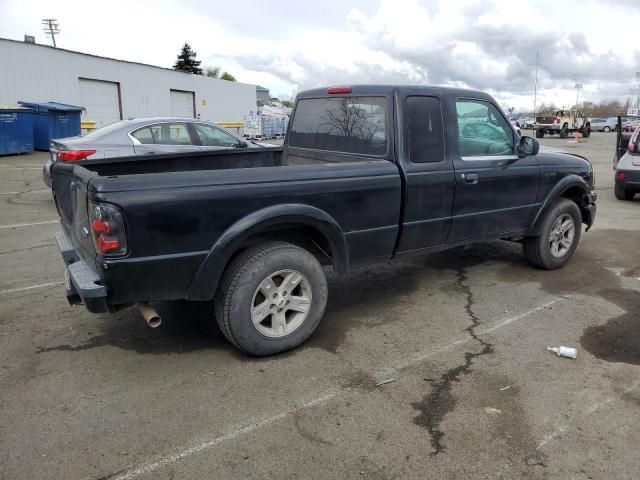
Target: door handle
471, 178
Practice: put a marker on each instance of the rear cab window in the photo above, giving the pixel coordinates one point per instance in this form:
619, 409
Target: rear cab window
353, 125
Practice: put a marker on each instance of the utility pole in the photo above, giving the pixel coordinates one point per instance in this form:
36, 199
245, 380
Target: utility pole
51, 28
578, 87
535, 88
638, 97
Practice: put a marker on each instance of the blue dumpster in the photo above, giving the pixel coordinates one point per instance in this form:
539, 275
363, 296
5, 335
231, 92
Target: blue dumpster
53, 120
16, 130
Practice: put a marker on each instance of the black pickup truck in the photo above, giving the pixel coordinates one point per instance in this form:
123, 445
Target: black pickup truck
367, 173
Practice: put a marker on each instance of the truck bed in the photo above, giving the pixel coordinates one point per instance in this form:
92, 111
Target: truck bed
194, 161
177, 207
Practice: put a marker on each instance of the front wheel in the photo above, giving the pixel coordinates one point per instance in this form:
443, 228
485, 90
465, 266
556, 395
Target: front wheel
271, 298
586, 132
558, 239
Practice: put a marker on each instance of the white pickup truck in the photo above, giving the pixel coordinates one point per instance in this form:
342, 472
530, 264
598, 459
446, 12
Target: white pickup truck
563, 122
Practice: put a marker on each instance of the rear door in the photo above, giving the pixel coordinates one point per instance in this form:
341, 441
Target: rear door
429, 186
495, 191
170, 137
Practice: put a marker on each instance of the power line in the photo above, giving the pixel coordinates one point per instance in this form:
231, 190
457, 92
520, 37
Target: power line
535, 88
51, 27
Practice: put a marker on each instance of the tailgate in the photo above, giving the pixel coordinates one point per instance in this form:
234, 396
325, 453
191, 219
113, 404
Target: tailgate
69, 184
546, 120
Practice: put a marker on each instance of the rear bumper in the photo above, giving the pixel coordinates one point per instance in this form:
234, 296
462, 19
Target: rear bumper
631, 180
82, 283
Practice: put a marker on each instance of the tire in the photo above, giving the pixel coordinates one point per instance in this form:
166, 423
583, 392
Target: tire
538, 250
240, 295
606, 129
564, 132
586, 131
539, 133
623, 193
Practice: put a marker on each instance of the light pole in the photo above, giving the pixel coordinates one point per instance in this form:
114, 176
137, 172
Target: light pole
638, 96
578, 87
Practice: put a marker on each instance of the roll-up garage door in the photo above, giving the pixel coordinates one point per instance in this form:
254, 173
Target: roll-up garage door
182, 104
101, 99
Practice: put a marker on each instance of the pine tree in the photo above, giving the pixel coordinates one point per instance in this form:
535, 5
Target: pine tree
186, 61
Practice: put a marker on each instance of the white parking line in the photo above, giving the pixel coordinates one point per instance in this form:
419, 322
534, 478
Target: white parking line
32, 287
26, 191
244, 429
22, 165
15, 225
590, 411
212, 442
421, 357
22, 168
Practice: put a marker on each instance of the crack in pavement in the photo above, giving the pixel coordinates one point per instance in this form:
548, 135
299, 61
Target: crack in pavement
435, 406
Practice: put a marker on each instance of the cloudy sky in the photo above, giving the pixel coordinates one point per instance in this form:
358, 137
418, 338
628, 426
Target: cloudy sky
289, 45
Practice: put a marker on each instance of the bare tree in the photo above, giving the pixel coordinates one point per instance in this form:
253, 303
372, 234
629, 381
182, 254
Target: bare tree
350, 120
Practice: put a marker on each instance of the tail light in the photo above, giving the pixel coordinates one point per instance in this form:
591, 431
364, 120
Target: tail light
622, 175
74, 155
107, 229
558, 120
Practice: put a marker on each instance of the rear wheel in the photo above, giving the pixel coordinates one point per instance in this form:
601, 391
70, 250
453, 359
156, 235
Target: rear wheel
564, 132
539, 133
558, 239
623, 193
606, 129
271, 298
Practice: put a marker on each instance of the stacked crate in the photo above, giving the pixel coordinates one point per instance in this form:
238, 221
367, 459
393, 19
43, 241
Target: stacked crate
265, 126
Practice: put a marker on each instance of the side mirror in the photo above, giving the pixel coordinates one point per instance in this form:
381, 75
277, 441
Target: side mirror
528, 146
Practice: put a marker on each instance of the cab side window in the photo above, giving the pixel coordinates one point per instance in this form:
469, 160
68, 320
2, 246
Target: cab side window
482, 130
426, 140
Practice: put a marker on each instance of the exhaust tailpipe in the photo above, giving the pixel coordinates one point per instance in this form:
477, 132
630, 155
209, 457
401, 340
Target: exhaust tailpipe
150, 315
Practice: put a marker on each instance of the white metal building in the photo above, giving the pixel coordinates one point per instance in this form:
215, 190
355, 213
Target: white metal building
112, 90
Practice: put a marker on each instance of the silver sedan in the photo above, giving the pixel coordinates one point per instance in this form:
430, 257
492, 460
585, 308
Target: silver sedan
143, 136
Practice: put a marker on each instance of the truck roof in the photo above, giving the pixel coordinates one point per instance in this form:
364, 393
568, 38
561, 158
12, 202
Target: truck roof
369, 89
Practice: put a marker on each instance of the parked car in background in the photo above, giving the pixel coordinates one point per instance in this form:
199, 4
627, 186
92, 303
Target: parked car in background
526, 122
627, 176
144, 136
603, 124
517, 127
630, 126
